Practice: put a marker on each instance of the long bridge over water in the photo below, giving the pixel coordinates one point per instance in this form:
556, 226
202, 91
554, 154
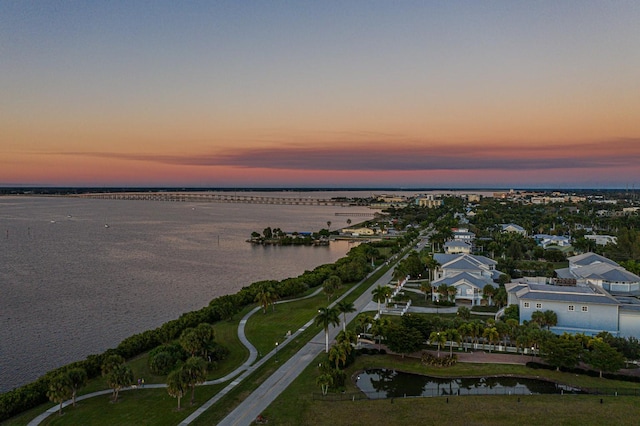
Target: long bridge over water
212, 197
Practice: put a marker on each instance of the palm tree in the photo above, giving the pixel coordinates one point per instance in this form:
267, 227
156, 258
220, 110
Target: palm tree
439, 338
338, 354
491, 334
381, 293
379, 328
451, 291
59, 390
425, 287
177, 384
443, 291
325, 318
77, 379
331, 285
363, 321
453, 335
488, 292
118, 378
265, 297
464, 313
550, 318
348, 337
345, 308
324, 381
539, 318
195, 369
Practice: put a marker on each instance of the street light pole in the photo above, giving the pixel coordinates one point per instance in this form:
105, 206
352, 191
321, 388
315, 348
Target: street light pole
276, 351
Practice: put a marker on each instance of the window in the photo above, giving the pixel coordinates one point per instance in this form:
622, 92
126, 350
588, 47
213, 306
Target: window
526, 304
538, 305
585, 309
572, 308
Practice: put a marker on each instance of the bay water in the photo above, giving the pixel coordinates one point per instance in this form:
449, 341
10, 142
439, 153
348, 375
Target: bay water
77, 276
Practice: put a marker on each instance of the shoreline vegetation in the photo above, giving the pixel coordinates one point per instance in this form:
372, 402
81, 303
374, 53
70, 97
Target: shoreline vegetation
351, 268
277, 237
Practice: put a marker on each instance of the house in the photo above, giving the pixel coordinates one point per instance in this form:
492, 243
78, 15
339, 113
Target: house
586, 309
454, 247
358, 231
469, 274
602, 240
591, 268
463, 234
545, 240
512, 227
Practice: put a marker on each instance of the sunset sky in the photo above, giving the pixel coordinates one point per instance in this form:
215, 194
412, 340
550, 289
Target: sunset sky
412, 94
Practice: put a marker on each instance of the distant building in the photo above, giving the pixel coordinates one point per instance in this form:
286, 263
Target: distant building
593, 269
358, 231
454, 247
469, 274
545, 240
429, 201
602, 240
587, 309
512, 227
463, 234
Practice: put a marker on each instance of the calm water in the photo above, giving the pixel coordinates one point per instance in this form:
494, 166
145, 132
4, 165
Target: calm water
382, 383
70, 287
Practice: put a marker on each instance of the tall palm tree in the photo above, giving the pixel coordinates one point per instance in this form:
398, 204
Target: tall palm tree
379, 329
550, 318
325, 318
443, 291
77, 379
59, 390
195, 369
118, 378
338, 354
324, 381
425, 287
491, 334
265, 297
331, 285
453, 335
439, 338
451, 291
177, 384
345, 308
363, 321
381, 293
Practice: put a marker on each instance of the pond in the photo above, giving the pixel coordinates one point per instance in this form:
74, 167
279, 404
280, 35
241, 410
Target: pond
382, 383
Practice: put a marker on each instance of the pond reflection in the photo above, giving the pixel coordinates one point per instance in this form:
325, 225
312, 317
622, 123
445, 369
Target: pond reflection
383, 383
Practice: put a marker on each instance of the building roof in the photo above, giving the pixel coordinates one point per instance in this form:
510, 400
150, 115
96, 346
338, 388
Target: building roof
590, 294
589, 258
458, 278
457, 243
512, 226
444, 258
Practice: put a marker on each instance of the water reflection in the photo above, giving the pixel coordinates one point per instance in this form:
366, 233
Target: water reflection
383, 383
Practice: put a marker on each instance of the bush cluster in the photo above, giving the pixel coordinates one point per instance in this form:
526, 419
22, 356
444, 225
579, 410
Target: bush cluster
445, 361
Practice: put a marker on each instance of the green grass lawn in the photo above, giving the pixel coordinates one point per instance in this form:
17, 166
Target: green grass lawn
297, 406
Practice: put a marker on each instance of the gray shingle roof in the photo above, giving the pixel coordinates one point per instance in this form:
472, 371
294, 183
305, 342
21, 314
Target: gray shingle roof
565, 294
